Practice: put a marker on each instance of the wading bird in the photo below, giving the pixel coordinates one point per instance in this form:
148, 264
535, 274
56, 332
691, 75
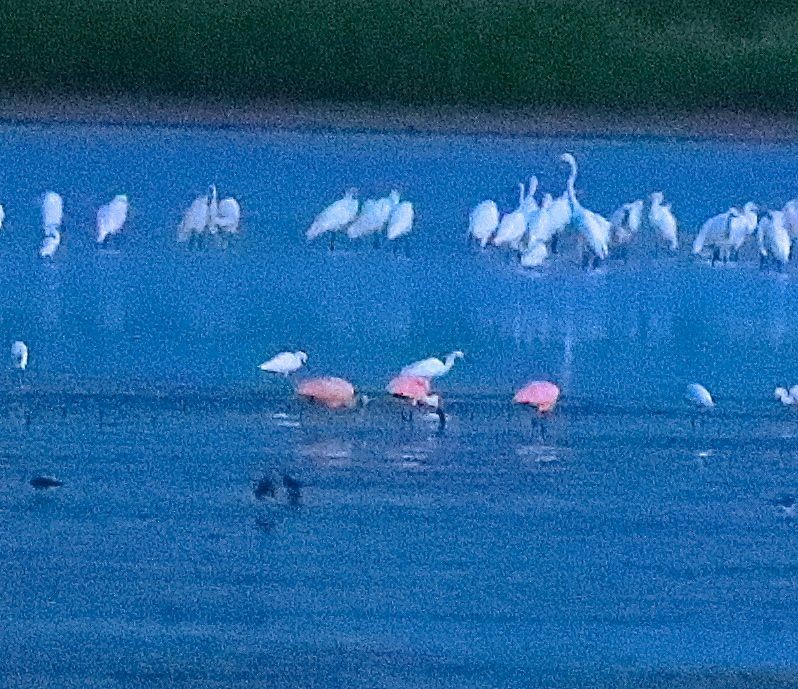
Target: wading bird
432, 367
335, 218
111, 217
285, 363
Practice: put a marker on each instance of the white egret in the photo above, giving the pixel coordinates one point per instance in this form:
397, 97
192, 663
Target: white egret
373, 216
742, 225
223, 216
111, 217
195, 220
52, 211
538, 225
535, 254
512, 226
787, 397
625, 225
663, 221
529, 203
483, 221
19, 355
432, 367
790, 211
592, 227
401, 221
284, 363
774, 240
2, 216
714, 233
336, 217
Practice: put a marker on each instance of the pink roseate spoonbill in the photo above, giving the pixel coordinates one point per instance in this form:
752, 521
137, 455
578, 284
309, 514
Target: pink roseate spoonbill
432, 367
417, 391
594, 229
540, 394
284, 363
661, 218
330, 392
483, 221
336, 217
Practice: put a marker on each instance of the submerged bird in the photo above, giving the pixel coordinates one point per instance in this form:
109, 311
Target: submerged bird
401, 221
483, 221
285, 363
336, 217
330, 392
540, 394
593, 229
111, 217
52, 211
19, 355
661, 218
432, 367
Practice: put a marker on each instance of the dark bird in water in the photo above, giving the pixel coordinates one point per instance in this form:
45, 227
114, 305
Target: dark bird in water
264, 488
292, 487
44, 482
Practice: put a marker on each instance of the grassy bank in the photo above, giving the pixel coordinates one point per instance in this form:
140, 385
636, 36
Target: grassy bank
611, 54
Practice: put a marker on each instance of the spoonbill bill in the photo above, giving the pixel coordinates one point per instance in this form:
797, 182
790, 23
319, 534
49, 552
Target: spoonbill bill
285, 363
336, 217
432, 367
111, 217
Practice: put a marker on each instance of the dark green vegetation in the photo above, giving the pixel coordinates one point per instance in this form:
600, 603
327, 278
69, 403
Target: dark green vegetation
609, 54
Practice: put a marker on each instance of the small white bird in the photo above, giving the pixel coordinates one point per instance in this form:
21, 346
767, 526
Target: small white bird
2, 216
535, 255
483, 221
626, 222
373, 216
19, 355
284, 363
50, 243
52, 211
336, 217
774, 240
742, 224
787, 397
111, 217
432, 367
223, 216
401, 220
195, 220
512, 226
663, 221
699, 396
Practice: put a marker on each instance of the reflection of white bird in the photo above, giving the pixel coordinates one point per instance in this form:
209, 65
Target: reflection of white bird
373, 216
401, 220
19, 355
787, 397
592, 227
663, 221
50, 243
335, 217
52, 211
284, 363
111, 217
483, 221
432, 367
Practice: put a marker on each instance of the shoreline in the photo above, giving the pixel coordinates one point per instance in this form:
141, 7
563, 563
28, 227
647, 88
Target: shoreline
439, 120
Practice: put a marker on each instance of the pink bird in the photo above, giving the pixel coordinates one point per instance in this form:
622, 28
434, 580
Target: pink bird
539, 394
417, 391
331, 392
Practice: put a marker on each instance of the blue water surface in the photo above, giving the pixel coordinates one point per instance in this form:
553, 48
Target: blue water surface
636, 543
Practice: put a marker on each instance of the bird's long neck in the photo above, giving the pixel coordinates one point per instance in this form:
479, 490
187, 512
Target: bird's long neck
570, 185
447, 365
521, 194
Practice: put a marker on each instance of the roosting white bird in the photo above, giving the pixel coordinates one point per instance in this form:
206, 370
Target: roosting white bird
774, 240
626, 222
2, 216
483, 221
432, 367
52, 211
223, 216
401, 221
284, 363
111, 217
373, 216
742, 225
714, 234
790, 211
512, 225
336, 217
787, 397
534, 255
661, 218
19, 355
50, 243
195, 220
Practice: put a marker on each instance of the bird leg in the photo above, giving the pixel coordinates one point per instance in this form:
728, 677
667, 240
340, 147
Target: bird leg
553, 245
332, 241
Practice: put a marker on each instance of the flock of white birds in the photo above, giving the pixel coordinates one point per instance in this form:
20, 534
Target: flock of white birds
387, 214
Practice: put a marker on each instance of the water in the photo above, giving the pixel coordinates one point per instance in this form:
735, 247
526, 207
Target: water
624, 549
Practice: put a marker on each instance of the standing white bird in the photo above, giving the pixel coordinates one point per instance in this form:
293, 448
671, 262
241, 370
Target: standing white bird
195, 220
336, 217
111, 217
483, 221
50, 243
774, 240
787, 397
661, 218
223, 216
538, 225
401, 221
2, 216
432, 367
699, 396
714, 233
790, 211
52, 211
373, 216
535, 254
592, 227
513, 225
742, 224
626, 222
284, 363
19, 355
529, 202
